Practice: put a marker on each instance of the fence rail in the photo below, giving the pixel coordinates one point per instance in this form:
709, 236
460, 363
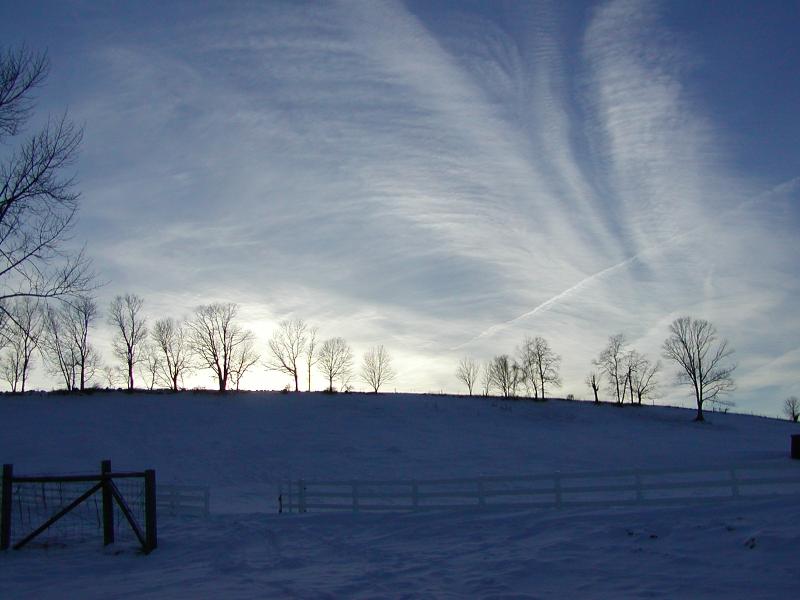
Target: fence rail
609, 488
180, 500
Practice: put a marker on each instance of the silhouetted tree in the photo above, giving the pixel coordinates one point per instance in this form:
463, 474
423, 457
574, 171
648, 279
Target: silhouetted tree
791, 408
65, 341
38, 204
527, 363
467, 372
311, 352
486, 379
24, 329
113, 375
171, 340
79, 315
692, 344
130, 331
642, 377
545, 363
55, 348
593, 381
244, 358
611, 363
335, 360
150, 364
376, 368
215, 339
505, 375
287, 344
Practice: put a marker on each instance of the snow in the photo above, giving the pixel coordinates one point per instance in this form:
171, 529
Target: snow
245, 445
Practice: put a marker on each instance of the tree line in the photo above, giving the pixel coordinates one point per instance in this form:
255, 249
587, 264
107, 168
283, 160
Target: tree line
163, 354
692, 344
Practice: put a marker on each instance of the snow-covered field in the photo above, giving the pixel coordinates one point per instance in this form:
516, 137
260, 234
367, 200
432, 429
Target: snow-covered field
245, 445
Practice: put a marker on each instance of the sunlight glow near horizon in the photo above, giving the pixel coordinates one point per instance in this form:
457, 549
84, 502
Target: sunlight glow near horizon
443, 178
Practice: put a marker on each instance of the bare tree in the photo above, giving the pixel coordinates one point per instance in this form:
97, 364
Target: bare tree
125, 315
467, 372
611, 363
65, 342
244, 357
78, 316
593, 381
486, 379
171, 342
22, 337
215, 338
505, 375
545, 363
643, 381
335, 360
55, 347
113, 375
38, 204
692, 344
527, 364
311, 352
791, 408
287, 344
376, 368
150, 364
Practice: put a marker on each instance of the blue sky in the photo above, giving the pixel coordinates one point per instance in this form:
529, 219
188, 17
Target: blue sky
444, 178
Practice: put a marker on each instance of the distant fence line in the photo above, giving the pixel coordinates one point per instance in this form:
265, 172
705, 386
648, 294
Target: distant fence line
181, 500
553, 490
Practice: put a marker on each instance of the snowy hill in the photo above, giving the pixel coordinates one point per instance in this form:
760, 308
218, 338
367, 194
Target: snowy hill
244, 445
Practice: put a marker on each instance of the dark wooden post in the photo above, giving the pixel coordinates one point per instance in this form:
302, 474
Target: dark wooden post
5, 507
796, 446
108, 503
150, 525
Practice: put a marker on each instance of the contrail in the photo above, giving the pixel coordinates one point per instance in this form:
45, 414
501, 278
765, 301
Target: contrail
548, 303
785, 187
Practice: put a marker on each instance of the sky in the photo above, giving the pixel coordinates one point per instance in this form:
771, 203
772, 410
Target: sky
443, 178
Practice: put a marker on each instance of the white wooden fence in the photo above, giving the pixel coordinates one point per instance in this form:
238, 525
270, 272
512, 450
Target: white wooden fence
183, 500
610, 488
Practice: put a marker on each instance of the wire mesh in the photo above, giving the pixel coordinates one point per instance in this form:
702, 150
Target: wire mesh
34, 503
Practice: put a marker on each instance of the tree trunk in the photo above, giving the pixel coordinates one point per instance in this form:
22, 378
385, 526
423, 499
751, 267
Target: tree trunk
175, 383
296, 383
130, 374
596, 399
630, 384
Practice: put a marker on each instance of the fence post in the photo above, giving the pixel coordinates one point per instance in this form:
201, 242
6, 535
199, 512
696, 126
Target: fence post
301, 496
355, 496
5, 507
151, 532
108, 503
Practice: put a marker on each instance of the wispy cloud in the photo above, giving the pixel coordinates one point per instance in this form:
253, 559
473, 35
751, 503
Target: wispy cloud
438, 181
